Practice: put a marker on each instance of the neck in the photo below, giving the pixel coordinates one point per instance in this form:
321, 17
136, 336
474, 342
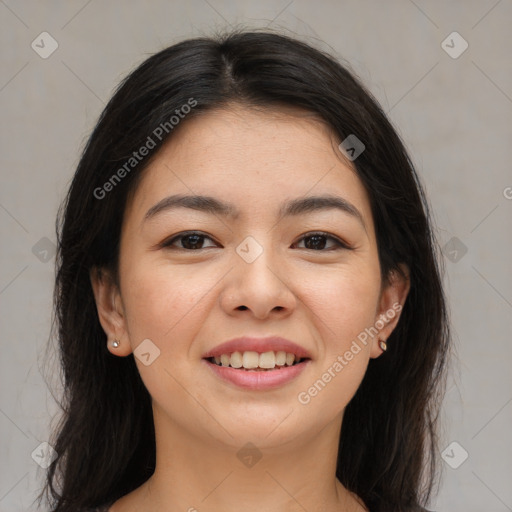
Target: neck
195, 473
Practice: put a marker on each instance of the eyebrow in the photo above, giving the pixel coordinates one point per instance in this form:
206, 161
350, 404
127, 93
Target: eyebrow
293, 207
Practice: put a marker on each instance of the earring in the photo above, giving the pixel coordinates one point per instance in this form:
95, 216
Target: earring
382, 345
115, 343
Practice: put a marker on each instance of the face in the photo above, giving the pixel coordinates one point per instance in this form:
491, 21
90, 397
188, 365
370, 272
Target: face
255, 268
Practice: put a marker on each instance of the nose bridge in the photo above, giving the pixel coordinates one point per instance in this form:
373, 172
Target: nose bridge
256, 282
258, 260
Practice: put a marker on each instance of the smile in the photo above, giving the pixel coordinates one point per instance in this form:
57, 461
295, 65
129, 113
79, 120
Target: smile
257, 371
252, 360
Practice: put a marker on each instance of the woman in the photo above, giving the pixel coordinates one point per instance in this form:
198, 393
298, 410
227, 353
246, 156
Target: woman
248, 298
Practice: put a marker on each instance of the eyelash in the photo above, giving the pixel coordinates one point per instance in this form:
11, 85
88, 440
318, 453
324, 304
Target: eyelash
340, 244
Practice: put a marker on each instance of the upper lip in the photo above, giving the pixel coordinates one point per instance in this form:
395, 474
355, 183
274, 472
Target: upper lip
260, 345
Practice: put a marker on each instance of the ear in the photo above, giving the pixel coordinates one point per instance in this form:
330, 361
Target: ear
392, 299
110, 310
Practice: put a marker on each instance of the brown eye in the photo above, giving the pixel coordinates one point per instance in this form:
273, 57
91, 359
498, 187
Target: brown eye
191, 241
318, 242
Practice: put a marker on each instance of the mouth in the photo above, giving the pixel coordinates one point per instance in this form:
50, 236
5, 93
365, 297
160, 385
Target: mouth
252, 361
258, 364
254, 371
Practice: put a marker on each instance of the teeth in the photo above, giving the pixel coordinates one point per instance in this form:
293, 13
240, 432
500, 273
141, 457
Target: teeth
251, 360
280, 358
268, 360
236, 360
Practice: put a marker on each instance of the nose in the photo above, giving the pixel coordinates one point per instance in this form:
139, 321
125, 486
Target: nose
260, 289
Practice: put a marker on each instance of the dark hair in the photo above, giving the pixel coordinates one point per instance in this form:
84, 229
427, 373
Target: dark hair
105, 440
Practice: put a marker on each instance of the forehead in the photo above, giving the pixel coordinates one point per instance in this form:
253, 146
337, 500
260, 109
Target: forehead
247, 156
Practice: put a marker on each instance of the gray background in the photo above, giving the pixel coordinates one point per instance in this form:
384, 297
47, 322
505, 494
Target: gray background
454, 115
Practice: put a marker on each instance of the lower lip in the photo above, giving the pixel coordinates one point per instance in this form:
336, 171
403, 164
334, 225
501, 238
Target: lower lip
258, 380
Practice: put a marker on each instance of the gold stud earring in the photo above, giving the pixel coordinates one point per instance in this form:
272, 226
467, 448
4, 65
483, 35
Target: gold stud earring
382, 345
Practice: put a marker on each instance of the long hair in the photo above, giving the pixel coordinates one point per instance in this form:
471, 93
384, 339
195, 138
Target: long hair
105, 441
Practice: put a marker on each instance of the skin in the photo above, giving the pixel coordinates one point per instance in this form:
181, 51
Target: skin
188, 301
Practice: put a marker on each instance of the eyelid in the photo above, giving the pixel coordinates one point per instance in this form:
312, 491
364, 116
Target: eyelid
340, 243
169, 241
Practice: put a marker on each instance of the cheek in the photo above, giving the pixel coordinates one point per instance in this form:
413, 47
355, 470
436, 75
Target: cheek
157, 301
166, 307
344, 305
344, 302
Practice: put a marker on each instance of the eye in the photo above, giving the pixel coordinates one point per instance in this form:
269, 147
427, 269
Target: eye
194, 241
190, 240
318, 241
